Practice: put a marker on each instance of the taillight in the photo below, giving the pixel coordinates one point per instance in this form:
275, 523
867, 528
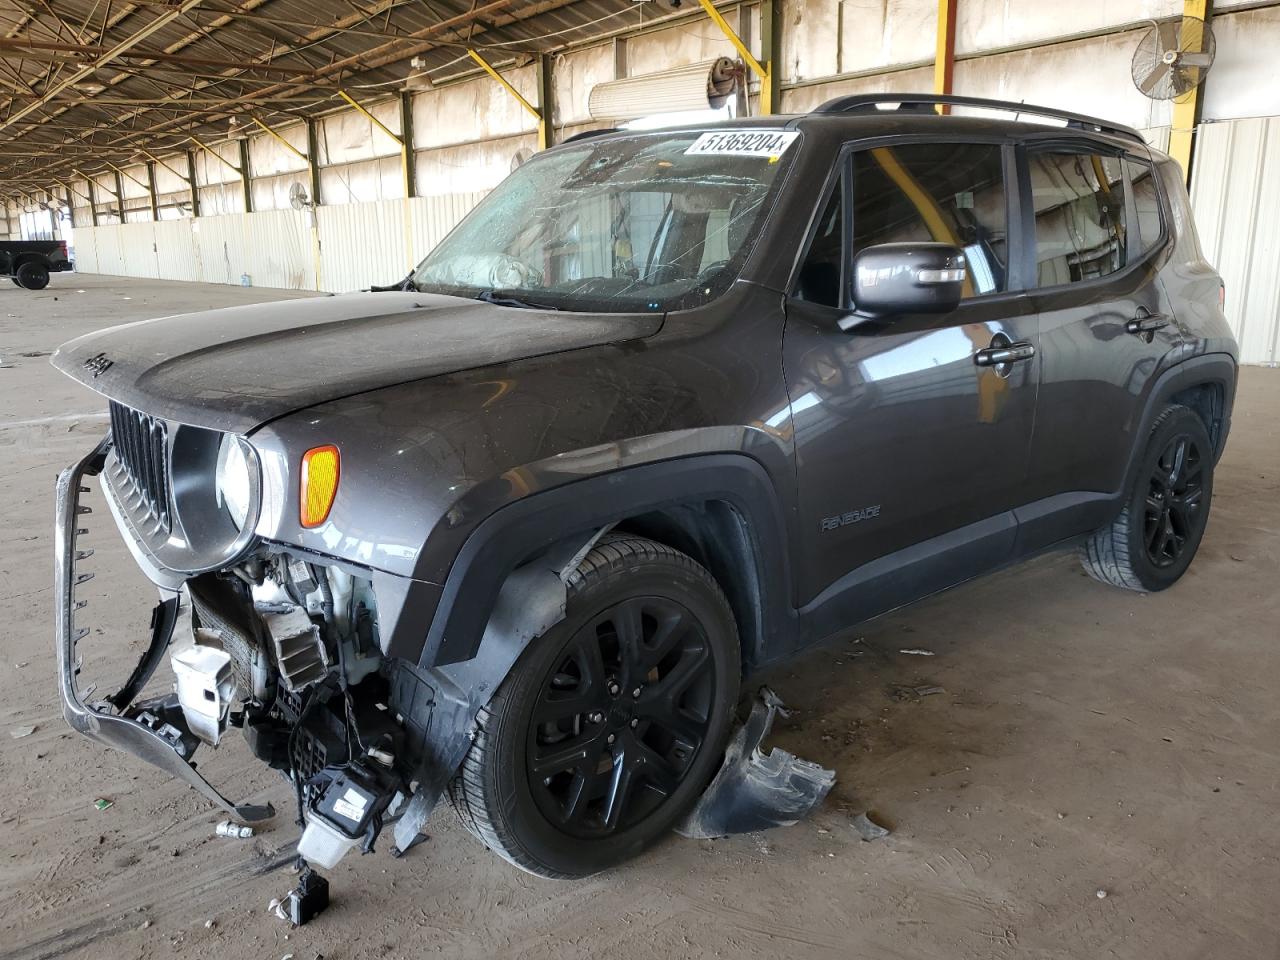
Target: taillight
1222, 295
318, 484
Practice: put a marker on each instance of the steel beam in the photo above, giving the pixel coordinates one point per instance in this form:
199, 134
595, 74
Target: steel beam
488, 68
546, 102
27, 50
151, 190
246, 175
93, 200
80, 73
313, 160
281, 140
191, 181
406, 144
119, 196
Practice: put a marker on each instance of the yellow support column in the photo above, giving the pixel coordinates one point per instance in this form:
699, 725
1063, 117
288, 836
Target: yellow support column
1186, 110
944, 60
764, 71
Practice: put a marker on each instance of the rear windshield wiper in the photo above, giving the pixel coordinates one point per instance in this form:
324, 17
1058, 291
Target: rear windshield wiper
502, 300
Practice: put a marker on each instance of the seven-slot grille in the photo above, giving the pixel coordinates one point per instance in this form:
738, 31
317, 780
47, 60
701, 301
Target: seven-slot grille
140, 445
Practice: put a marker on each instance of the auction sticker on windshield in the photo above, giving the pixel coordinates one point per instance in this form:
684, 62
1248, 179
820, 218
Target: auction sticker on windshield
768, 144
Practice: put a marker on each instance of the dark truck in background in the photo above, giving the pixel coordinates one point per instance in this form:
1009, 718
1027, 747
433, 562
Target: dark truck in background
28, 263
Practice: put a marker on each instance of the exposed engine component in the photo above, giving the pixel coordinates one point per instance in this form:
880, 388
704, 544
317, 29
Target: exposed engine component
298, 646
206, 688
347, 810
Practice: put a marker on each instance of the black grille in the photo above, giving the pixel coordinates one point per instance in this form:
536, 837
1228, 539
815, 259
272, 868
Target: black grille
140, 446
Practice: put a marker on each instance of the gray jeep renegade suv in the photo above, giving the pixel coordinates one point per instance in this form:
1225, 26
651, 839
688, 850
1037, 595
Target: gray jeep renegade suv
665, 408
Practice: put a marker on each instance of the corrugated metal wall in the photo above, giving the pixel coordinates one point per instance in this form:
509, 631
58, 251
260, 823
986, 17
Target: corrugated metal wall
353, 245
1235, 191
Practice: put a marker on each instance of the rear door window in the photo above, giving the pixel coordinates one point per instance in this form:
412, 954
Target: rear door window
1080, 228
945, 192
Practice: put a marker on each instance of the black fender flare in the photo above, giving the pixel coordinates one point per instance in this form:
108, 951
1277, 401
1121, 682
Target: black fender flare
1213, 368
521, 530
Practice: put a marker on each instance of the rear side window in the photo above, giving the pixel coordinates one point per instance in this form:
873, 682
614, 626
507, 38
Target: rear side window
1080, 217
946, 192
1146, 203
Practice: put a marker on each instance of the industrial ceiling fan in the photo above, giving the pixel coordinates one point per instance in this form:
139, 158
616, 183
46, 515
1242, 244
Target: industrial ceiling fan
1173, 57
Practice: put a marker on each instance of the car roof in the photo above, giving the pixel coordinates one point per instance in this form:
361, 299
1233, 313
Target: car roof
857, 117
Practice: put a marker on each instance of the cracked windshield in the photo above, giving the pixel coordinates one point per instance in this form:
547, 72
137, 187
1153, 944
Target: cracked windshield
647, 222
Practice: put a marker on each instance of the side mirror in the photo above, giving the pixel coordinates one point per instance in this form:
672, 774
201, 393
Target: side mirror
896, 278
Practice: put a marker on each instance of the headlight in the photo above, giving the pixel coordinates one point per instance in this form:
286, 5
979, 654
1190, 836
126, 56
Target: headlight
233, 481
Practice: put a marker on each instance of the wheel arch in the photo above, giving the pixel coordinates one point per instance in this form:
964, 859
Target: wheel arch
722, 509
1207, 385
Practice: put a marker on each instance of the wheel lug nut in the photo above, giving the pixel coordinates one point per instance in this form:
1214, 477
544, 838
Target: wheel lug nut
634, 722
613, 688
595, 717
609, 739
636, 693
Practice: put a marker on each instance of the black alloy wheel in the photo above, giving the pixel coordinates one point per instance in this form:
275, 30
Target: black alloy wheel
612, 722
1173, 501
621, 717
1153, 539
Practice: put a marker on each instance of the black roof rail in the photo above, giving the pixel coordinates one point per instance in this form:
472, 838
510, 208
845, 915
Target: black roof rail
588, 134
921, 102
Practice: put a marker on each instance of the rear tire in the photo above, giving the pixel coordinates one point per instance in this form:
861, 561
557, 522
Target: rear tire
611, 724
32, 276
1149, 546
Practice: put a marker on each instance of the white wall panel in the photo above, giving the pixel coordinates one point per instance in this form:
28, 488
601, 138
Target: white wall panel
988, 24
877, 34
1088, 76
1244, 80
475, 110
433, 217
86, 250
175, 250
574, 75
1235, 193
801, 99
362, 244
278, 249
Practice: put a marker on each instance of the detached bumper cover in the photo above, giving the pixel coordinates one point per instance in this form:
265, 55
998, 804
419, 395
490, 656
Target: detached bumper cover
98, 721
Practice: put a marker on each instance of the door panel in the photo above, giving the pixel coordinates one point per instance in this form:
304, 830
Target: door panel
901, 436
1094, 259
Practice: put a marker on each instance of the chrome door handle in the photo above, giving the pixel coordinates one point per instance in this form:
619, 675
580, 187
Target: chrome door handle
1146, 324
1013, 353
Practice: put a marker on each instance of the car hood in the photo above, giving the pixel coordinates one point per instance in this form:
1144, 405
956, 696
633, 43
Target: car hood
237, 368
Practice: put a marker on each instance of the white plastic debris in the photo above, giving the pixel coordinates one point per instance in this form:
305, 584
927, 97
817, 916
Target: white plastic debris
917, 652
1101, 894
868, 829
233, 830
19, 732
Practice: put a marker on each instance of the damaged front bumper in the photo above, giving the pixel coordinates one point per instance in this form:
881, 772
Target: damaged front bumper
115, 721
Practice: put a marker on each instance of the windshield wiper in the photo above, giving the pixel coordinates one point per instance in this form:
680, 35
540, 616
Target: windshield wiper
501, 300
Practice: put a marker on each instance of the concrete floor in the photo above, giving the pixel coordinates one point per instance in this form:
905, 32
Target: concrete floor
1088, 740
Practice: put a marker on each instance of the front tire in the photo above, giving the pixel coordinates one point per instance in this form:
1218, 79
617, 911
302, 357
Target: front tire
33, 276
1151, 543
611, 724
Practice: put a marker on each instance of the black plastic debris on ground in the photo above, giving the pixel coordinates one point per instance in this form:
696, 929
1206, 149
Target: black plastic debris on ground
754, 790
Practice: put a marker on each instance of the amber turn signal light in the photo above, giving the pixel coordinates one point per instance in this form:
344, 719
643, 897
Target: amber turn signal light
319, 484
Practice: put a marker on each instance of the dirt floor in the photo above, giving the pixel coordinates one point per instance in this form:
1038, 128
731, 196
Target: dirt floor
1095, 780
